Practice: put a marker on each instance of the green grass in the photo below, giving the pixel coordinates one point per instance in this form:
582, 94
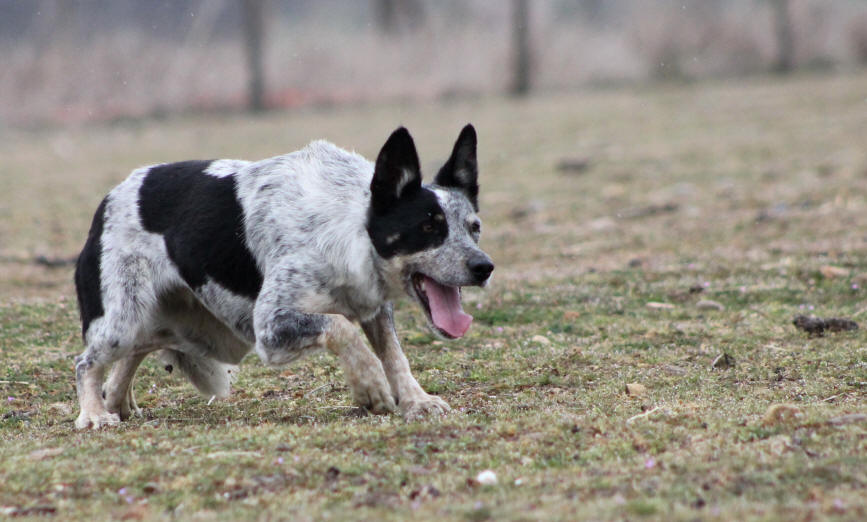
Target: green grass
736, 193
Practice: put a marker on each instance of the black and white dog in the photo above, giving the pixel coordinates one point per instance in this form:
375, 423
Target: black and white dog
204, 260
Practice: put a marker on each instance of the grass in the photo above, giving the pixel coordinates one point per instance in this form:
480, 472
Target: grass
742, 194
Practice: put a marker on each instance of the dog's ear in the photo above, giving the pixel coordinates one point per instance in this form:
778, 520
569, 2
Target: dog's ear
461, 171
397, 172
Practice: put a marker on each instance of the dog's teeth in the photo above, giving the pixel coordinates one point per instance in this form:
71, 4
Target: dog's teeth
422, 285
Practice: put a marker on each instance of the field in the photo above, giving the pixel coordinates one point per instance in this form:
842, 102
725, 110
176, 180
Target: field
634, 356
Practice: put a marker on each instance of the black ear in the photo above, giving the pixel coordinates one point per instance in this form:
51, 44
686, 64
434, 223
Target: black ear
397, 172
461, 170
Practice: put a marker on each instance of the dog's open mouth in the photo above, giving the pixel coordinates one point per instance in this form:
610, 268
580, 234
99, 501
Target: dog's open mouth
442, 304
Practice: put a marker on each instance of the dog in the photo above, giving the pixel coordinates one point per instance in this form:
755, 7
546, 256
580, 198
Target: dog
203, 261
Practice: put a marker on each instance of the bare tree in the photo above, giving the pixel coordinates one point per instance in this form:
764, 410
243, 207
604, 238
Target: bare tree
521, 66
254, 22
392, 15
785, 60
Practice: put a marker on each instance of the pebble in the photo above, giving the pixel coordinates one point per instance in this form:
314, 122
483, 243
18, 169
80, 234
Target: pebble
486, 478
634, 389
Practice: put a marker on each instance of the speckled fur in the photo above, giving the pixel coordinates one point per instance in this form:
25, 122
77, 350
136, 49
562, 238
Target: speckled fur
305, 219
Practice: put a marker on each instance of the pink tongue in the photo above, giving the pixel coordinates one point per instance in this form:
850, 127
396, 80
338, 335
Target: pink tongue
445, 308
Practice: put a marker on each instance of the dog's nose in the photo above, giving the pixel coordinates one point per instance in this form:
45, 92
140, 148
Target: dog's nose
480, 267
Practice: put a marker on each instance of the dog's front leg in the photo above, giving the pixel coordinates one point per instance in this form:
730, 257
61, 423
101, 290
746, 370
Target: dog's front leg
413, 401
283, 335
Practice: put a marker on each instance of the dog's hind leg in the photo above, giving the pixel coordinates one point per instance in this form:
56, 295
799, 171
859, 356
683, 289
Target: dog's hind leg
123, 331
110, 339
118, 388
88, 384
412, 400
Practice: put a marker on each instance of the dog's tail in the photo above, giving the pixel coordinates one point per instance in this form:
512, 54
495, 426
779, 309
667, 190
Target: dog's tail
212, 378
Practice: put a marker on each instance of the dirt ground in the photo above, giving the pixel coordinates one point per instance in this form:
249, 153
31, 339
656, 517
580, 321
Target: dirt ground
635, 355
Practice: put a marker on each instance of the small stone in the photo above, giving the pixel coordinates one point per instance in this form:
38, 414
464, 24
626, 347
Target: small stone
707, 304
659, 306
540, 339
487, 478
633, 389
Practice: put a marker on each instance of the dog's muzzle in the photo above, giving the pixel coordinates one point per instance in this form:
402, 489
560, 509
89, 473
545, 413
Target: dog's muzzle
480, 267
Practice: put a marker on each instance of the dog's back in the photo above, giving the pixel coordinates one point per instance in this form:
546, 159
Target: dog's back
212, 226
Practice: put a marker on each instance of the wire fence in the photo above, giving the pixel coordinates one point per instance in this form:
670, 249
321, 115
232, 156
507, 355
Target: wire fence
73, 61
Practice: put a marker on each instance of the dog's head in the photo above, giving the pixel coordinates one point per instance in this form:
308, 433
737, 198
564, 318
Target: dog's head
429, 234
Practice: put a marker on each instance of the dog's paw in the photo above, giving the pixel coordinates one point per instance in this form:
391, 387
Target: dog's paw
423, 406
96, 420
126, 410
128, 407
375, 395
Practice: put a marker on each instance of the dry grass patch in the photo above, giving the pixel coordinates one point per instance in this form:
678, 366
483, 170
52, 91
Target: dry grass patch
734, 194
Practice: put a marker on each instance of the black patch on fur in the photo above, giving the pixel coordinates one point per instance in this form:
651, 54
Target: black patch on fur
88, 272
290, 326
461, 171
402, 215
202, 223
397, 172
409, 226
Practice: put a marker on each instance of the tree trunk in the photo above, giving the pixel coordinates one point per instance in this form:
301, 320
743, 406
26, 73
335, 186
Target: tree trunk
785, 60
520, 48
254, 22
392, 16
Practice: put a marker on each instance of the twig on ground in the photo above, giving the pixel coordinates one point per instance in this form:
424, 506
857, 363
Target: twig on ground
316, 390
642, 415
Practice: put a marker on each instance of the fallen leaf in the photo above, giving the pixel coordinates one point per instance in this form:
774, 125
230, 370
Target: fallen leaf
659, 306
831, 272
45, 453
573, 165
673, 370
707, 304
817, 325
331, 474
851, 418
60, 408
541, 339
780, 414
723, 361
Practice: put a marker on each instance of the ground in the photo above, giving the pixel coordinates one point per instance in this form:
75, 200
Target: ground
634, 356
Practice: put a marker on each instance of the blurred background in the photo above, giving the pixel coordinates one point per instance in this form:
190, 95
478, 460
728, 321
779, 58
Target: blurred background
68, 61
